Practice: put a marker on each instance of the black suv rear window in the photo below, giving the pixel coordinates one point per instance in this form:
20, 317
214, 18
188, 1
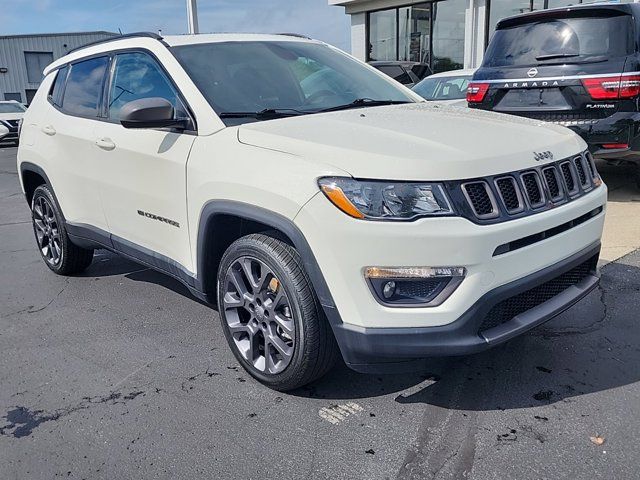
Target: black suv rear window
574, 39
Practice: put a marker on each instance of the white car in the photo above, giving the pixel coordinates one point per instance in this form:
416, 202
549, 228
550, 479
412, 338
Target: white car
11, 112
340, 218
446, 87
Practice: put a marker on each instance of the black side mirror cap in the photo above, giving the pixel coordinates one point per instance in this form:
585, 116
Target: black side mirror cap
154, 112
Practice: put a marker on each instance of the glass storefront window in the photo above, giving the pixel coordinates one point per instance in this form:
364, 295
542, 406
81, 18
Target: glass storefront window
414, 25
383, 35
426, 32
448, 35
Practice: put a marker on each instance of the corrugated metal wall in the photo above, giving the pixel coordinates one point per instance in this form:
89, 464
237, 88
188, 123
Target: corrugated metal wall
12, 58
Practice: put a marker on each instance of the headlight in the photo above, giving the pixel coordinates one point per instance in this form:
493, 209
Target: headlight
378, 200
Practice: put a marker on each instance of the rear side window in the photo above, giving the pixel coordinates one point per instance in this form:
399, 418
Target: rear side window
57, 89
85, 82
565, 40
137, 76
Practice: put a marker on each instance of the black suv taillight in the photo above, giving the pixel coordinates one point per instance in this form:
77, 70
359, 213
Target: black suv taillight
613, 88
476, 92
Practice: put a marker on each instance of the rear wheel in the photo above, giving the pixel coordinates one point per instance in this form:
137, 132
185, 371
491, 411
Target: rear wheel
270, 314
57, 251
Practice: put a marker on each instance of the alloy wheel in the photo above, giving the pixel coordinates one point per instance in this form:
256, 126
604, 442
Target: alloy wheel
47, 231
259, 315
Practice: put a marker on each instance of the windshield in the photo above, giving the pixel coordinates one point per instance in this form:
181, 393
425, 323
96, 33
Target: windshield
565, 40
11, 108
292, 77
443, 88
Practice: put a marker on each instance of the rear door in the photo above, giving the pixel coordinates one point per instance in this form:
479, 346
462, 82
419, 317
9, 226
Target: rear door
568, 66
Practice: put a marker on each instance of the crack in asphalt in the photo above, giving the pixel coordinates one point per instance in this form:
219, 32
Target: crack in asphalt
31, 309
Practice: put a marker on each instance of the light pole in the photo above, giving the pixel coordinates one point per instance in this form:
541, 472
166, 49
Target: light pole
192, 16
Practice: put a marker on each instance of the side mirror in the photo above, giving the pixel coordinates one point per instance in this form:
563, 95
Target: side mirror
152, 112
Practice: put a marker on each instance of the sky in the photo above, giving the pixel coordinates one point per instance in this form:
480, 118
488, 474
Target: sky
314, 18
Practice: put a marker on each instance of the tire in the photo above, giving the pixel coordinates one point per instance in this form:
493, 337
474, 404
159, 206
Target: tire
272, 320
58, 252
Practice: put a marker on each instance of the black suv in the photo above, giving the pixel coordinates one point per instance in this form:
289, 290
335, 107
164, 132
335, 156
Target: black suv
575, 66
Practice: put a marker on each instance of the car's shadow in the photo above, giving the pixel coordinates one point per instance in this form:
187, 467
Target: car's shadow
594, 346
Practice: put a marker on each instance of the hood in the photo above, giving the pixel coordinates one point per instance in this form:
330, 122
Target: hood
419, 141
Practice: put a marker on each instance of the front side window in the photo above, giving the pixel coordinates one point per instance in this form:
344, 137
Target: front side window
83, 92
443, 88
299, 77
138, 76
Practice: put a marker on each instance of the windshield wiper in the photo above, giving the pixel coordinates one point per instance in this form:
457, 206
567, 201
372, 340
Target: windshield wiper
363, 102
552, 56
266, 113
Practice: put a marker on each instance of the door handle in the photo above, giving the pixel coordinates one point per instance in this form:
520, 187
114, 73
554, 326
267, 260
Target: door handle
105, 144
49, 130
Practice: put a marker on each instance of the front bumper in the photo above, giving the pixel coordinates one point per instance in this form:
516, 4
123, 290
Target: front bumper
384, 349
369, 333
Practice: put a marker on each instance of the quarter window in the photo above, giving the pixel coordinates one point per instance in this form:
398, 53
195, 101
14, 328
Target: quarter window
137, 76
83, 92
57, 89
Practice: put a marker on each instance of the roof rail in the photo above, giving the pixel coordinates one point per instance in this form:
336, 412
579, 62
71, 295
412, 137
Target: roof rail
298, 35
119, 37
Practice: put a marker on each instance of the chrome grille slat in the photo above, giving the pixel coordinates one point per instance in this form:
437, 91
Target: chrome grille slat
553, 182
510, 195
481, 199
570, 180
533, 188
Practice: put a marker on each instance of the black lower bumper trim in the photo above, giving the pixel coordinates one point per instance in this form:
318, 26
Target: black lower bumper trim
389, 349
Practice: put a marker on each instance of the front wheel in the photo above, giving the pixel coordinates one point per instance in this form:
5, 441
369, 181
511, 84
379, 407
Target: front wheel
270, 314
57, 251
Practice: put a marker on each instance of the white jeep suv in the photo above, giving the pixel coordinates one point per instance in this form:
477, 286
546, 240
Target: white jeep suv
323, 207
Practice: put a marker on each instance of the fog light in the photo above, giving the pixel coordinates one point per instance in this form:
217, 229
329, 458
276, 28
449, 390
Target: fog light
388, 290
413, 286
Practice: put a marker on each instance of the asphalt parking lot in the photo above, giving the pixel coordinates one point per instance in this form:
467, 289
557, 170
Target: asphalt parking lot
119, 373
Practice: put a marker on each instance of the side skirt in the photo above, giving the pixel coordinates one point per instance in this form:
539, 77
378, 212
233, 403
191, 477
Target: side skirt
87, 236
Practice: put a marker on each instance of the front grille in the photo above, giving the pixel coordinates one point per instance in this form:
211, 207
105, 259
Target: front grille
533, 189
569, 181
13, 123
553, 182
480, 198
582, 175
521, 193
518, 304
509, 193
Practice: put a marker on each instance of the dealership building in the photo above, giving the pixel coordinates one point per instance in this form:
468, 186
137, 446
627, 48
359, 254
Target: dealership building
23, 58
446, 34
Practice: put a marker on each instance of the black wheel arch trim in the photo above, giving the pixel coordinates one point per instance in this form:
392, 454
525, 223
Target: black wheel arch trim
32, 167
215, 208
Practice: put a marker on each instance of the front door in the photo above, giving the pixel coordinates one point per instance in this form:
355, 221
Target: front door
143, 184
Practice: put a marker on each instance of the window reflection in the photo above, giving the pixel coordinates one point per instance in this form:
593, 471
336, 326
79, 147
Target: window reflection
383, 35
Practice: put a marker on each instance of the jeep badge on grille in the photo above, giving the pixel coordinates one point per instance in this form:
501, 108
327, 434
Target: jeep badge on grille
540, 156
